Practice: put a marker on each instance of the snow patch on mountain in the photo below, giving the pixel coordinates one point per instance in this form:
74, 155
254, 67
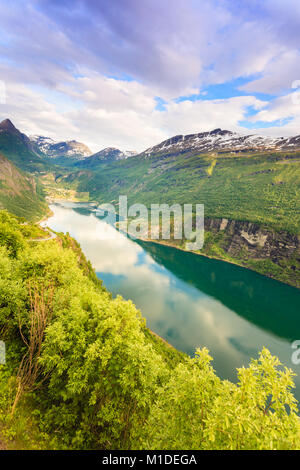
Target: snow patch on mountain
109, 154
55, 149
220, 140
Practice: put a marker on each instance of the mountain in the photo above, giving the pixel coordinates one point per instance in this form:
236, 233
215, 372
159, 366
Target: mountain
37, 153
53, 149
19, 149
7, 127
251, 178
20, 194
221, 141
251, 200
109, 154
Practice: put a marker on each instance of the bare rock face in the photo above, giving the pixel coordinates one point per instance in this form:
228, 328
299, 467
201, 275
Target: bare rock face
257, 241
7, 126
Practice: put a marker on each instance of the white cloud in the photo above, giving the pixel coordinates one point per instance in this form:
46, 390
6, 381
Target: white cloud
56, 58
123, 114
283, 109
32, 114
100, 92
278, 75
191, 117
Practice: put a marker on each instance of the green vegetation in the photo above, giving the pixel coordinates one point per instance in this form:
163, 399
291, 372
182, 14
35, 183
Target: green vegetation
56, 191
16, 150
20, 193
283, 269
83, 371
262, 188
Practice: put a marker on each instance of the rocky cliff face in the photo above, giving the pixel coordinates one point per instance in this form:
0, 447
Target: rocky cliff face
12, 181
242, 239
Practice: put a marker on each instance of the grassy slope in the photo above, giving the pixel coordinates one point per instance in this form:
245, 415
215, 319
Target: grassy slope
17, 152
19, 193
192, 398
262, 188
23, 432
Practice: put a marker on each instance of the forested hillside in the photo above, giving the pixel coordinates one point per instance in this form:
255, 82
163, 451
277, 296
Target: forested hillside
21, 193
19, 149
83, 372
262, 188
256, 194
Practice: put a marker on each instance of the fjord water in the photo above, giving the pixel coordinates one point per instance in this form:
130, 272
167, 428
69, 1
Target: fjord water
189, 300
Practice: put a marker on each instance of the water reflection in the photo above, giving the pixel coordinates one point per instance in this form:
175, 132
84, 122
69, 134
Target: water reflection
265, 302
189, 300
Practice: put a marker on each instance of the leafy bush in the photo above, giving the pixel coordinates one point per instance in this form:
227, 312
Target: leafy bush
105, 382
11, 239
196, 410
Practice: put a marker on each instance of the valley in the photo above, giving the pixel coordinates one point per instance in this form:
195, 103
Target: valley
84, 293
251, 183
149, 230
260, 192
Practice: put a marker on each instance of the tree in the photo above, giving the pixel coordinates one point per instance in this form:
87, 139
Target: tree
30, 373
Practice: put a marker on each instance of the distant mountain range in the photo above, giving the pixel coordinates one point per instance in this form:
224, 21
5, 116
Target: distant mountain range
53, 149
36, 153
109, 154
39, 153
221, 141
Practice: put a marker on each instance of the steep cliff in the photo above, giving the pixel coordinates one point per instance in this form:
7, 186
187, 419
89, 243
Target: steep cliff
273, 253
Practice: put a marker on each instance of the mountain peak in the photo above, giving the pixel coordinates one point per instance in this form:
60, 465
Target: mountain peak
107, 155
221, 141
219, 131
7, 125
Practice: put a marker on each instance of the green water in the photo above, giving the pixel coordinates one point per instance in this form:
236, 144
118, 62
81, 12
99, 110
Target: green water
190, 300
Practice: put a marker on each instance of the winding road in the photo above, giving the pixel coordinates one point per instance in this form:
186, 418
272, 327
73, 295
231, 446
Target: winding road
52, 237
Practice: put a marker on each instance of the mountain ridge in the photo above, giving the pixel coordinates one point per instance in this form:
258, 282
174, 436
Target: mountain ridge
19, 149
219, 140
107, 155
57, 149
6, 126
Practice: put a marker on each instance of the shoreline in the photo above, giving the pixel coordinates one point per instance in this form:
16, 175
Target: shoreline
165, 243
162, 243
46, 217
157, 336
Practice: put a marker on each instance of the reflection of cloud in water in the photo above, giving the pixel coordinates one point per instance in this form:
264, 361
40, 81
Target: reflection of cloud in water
108, 249
178, 311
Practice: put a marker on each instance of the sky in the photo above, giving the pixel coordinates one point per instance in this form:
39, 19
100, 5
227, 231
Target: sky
132, 73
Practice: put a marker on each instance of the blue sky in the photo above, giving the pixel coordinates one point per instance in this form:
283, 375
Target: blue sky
130, 73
